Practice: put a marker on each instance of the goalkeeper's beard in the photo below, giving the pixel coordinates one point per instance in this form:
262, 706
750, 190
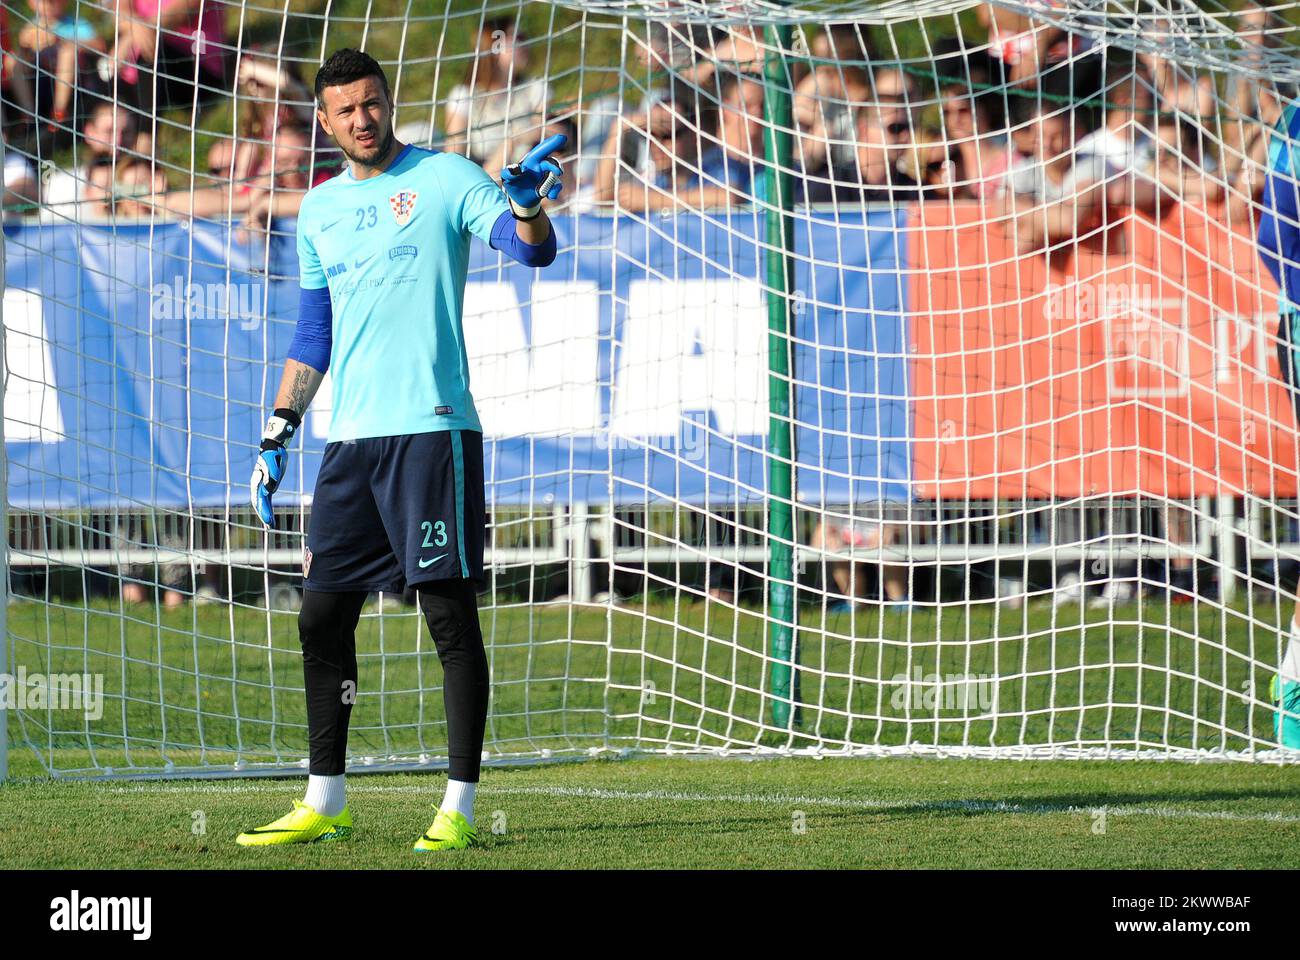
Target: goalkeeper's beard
373, 156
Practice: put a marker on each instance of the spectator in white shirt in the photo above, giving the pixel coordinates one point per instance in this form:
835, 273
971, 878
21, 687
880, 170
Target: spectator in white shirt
1061, 193
496, 111
1126, 139
21, 190
109, 129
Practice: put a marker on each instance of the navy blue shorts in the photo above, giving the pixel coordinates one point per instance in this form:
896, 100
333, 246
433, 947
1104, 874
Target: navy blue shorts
393, 512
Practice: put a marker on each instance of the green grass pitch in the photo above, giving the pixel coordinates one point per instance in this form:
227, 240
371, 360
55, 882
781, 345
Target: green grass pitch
190, 684
683, 813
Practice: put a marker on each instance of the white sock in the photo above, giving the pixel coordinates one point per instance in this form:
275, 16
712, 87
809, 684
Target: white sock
459, 797
325, 795
1290, 669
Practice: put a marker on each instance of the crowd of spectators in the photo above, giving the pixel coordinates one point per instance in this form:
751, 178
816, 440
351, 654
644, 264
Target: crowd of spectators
1031, 119
72, 92
1026, 117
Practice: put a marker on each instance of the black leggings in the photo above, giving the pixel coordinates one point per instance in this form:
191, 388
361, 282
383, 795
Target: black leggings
327, 630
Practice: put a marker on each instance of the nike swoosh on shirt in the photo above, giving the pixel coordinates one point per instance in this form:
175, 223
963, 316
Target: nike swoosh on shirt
330, 224
425, 563
361, 261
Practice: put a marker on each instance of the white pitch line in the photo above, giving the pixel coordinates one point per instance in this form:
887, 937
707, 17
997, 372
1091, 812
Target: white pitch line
759, 799
964, 806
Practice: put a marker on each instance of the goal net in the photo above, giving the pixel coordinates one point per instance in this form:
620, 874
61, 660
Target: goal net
907, 381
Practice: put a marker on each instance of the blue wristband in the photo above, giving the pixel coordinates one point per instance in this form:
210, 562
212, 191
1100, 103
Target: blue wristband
506, 239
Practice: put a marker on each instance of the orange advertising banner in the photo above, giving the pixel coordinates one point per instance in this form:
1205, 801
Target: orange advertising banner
1139, 360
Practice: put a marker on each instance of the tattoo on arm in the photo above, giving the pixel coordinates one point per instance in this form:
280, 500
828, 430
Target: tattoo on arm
300, 390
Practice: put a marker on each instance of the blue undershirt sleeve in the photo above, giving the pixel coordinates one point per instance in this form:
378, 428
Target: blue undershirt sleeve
1278, 233
313, 336
505, 239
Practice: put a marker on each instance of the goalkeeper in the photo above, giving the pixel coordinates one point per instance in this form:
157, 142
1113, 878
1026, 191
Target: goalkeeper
1279, 245
383, 250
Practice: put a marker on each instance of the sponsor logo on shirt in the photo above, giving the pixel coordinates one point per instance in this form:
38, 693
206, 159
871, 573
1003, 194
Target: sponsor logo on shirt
403, 204
402, 251
373, 283
335, 270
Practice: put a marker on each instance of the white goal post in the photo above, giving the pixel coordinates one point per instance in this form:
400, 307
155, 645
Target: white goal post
907, 381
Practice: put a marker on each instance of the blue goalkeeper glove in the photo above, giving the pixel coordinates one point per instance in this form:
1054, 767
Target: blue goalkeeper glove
534, 178
271, 462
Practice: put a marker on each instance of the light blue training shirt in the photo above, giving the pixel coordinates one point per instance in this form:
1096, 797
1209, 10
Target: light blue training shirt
394, 251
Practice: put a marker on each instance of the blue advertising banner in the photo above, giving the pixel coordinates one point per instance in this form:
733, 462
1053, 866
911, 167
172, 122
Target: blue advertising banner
142, 362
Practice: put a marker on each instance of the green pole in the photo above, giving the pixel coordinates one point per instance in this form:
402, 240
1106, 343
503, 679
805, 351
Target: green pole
779, 230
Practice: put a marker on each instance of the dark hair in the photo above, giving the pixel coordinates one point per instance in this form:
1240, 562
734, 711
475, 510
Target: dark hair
1074, 92
348, 66
975, 73
854, 35
504, 24
730, 82
93, 104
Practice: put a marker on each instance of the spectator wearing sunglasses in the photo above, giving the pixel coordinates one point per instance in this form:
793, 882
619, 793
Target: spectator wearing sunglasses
659, 50
884, 149
838, 79
877, 173
649, 155
680, 165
